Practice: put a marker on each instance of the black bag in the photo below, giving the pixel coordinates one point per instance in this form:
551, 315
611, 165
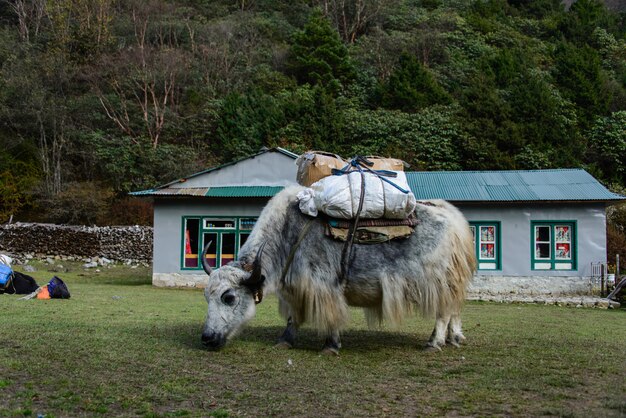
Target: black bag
20, 284
58, 289
23, 284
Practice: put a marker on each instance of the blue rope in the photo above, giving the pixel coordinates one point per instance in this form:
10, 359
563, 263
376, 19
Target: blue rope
358, 164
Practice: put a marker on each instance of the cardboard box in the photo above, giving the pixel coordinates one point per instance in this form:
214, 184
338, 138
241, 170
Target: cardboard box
381, 163
315, 165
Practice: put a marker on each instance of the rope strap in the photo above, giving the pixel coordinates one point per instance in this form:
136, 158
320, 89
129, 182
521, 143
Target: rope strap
294, 248
359, 164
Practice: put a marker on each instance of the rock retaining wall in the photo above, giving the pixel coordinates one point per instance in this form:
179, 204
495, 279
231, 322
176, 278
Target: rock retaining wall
121, 243
531, 286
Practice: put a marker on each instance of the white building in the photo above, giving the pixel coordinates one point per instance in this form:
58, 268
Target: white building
535, 231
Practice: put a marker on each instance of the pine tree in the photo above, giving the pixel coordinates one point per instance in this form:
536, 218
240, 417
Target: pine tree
412, 87
318, 56
579, 75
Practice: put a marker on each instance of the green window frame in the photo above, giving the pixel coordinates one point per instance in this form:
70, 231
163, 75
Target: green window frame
226, 233
487, 244
553, 245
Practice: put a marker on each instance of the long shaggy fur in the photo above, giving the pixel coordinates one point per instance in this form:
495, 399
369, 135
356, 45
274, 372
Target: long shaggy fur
428, 272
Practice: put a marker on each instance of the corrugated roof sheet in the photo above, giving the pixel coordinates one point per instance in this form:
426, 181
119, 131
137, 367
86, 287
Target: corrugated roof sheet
173, 191
224, 191
509, 186
243, 191
456, 186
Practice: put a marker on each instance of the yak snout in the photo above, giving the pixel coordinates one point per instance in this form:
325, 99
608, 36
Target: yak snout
213, 340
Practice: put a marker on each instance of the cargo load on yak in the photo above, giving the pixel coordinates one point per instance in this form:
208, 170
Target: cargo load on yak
364, 201
360, 188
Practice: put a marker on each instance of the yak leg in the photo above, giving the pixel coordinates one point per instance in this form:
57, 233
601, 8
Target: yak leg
438, 337
455, 331
332, 344
288, 339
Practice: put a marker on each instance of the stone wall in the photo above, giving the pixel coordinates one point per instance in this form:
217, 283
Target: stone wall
531, 286
120, 243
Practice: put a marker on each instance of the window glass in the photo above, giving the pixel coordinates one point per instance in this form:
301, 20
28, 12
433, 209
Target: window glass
219, 223
192, 227
542, 250
228, 248
246, 224
242, 239
488, 242
563, 251
563, 242
542, 242
543, 233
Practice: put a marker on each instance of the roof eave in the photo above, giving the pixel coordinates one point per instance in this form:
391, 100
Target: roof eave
580, 201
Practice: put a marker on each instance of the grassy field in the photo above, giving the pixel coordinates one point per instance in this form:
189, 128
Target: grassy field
120, 347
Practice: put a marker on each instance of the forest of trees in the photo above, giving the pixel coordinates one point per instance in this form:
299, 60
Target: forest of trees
102, 97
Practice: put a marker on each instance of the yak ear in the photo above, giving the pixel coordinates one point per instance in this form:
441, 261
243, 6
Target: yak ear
255, 281
255, 285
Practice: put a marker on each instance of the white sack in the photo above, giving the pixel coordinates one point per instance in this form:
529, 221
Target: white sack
306, 202
339, 196
5, 259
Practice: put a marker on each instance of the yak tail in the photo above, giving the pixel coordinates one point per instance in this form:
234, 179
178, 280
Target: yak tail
462, 266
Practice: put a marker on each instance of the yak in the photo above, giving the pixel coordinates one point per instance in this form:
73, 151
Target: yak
288, 252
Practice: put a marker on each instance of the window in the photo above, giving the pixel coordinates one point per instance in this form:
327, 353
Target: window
553, 245
245, 227
192, 230
486, 236
226, 235
210, 223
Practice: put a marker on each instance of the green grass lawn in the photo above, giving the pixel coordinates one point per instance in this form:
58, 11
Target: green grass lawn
120, 347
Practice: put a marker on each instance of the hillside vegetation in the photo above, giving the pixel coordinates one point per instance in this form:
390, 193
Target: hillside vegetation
102, 97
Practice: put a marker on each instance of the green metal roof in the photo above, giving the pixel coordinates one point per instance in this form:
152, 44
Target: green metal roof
509, 186
456, 186
243, 191
172, 191
224, 191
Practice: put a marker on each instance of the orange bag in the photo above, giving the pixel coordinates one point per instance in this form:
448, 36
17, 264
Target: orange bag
43, 294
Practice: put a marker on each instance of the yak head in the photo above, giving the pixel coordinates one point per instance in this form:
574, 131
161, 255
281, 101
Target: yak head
232, 292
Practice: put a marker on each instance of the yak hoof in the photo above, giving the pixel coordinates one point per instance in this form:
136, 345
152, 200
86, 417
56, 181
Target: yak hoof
432, 348
283, 345
330, 351
456, 340
453, 343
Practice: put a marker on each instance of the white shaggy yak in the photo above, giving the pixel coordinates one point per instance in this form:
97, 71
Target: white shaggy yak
289, 253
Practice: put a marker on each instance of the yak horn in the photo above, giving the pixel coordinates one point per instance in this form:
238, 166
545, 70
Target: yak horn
205, 264
256, 276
